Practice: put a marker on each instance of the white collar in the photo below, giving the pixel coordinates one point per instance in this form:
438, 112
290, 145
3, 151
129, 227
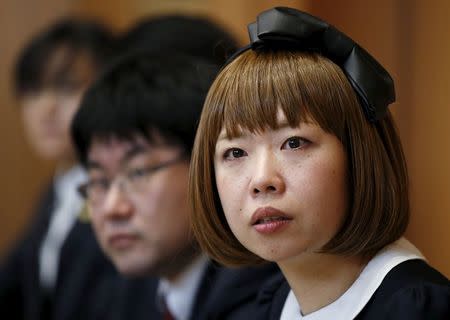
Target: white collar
358, 295
65, 184
67, 207
180, 295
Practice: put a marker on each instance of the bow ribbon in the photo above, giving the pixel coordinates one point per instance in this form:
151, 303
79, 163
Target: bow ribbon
283, 27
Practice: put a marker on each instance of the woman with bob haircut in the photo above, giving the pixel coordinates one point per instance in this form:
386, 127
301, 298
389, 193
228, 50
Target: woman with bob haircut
297, 161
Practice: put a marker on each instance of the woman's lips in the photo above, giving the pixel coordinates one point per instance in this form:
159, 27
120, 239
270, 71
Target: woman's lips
269, 220
122, 241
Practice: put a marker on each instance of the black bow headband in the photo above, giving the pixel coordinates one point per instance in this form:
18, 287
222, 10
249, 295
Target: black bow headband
285, 27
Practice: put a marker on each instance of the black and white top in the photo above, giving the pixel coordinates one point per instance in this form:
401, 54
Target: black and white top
68, 205
179, 296
396, 284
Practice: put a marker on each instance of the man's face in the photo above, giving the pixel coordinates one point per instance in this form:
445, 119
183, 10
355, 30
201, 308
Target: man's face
142, 219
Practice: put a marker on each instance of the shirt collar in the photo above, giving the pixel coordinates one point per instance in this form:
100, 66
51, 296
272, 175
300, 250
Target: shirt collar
358, 295
66, 183
180, 295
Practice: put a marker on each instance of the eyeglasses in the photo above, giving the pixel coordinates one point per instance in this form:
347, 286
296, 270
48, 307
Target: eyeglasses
131, 181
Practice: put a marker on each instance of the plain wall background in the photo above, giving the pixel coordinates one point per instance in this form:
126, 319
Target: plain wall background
410, 38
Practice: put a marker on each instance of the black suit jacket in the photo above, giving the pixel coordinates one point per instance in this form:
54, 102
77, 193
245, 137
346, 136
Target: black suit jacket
20, 294
411, 291
230, 293
223, 294
85, 276
88, 286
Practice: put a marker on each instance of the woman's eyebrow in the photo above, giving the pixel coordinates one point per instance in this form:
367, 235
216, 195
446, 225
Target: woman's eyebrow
224, 136
242, 133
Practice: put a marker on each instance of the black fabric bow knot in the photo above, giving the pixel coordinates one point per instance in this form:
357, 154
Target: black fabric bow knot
283, 27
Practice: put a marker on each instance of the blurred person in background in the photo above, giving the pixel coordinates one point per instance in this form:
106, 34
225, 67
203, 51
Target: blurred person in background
136, 294
50, 272
134, 133
193, 35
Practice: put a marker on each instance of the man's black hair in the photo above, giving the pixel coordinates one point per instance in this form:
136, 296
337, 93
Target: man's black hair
77, 36
196, 36
142, 93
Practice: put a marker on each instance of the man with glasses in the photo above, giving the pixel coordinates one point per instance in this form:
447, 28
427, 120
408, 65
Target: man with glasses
134, 133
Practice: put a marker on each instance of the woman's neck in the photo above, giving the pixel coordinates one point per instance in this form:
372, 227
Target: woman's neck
319, 279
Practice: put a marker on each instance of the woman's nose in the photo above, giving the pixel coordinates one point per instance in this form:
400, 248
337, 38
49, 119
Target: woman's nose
267, 178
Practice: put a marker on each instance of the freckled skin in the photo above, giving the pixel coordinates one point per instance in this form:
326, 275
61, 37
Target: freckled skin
308, 183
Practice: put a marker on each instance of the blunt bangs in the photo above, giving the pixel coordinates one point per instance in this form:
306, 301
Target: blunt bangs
255, 85
247, 95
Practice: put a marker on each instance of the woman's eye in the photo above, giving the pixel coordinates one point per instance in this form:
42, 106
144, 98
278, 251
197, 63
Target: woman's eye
234, 153
294, 143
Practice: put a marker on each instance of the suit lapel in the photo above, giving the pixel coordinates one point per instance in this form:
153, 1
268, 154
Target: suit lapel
84, 275
33, 292
202, 296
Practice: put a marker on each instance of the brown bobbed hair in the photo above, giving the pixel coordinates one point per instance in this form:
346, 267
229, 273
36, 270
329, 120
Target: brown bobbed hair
307, 87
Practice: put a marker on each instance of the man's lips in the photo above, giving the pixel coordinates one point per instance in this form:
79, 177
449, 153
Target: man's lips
266, 215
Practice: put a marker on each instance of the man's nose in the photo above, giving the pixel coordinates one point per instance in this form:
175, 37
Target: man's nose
117, 202
48, 102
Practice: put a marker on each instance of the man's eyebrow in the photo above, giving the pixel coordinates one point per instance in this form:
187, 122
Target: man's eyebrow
92, 164
135, 150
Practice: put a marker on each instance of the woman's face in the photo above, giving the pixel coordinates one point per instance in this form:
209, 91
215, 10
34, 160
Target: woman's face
284, 192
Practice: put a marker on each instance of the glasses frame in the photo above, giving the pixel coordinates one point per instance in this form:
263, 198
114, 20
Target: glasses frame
120, 178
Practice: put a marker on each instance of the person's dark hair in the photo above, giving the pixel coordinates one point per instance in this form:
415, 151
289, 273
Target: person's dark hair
195, 36
35, 67
142, 93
